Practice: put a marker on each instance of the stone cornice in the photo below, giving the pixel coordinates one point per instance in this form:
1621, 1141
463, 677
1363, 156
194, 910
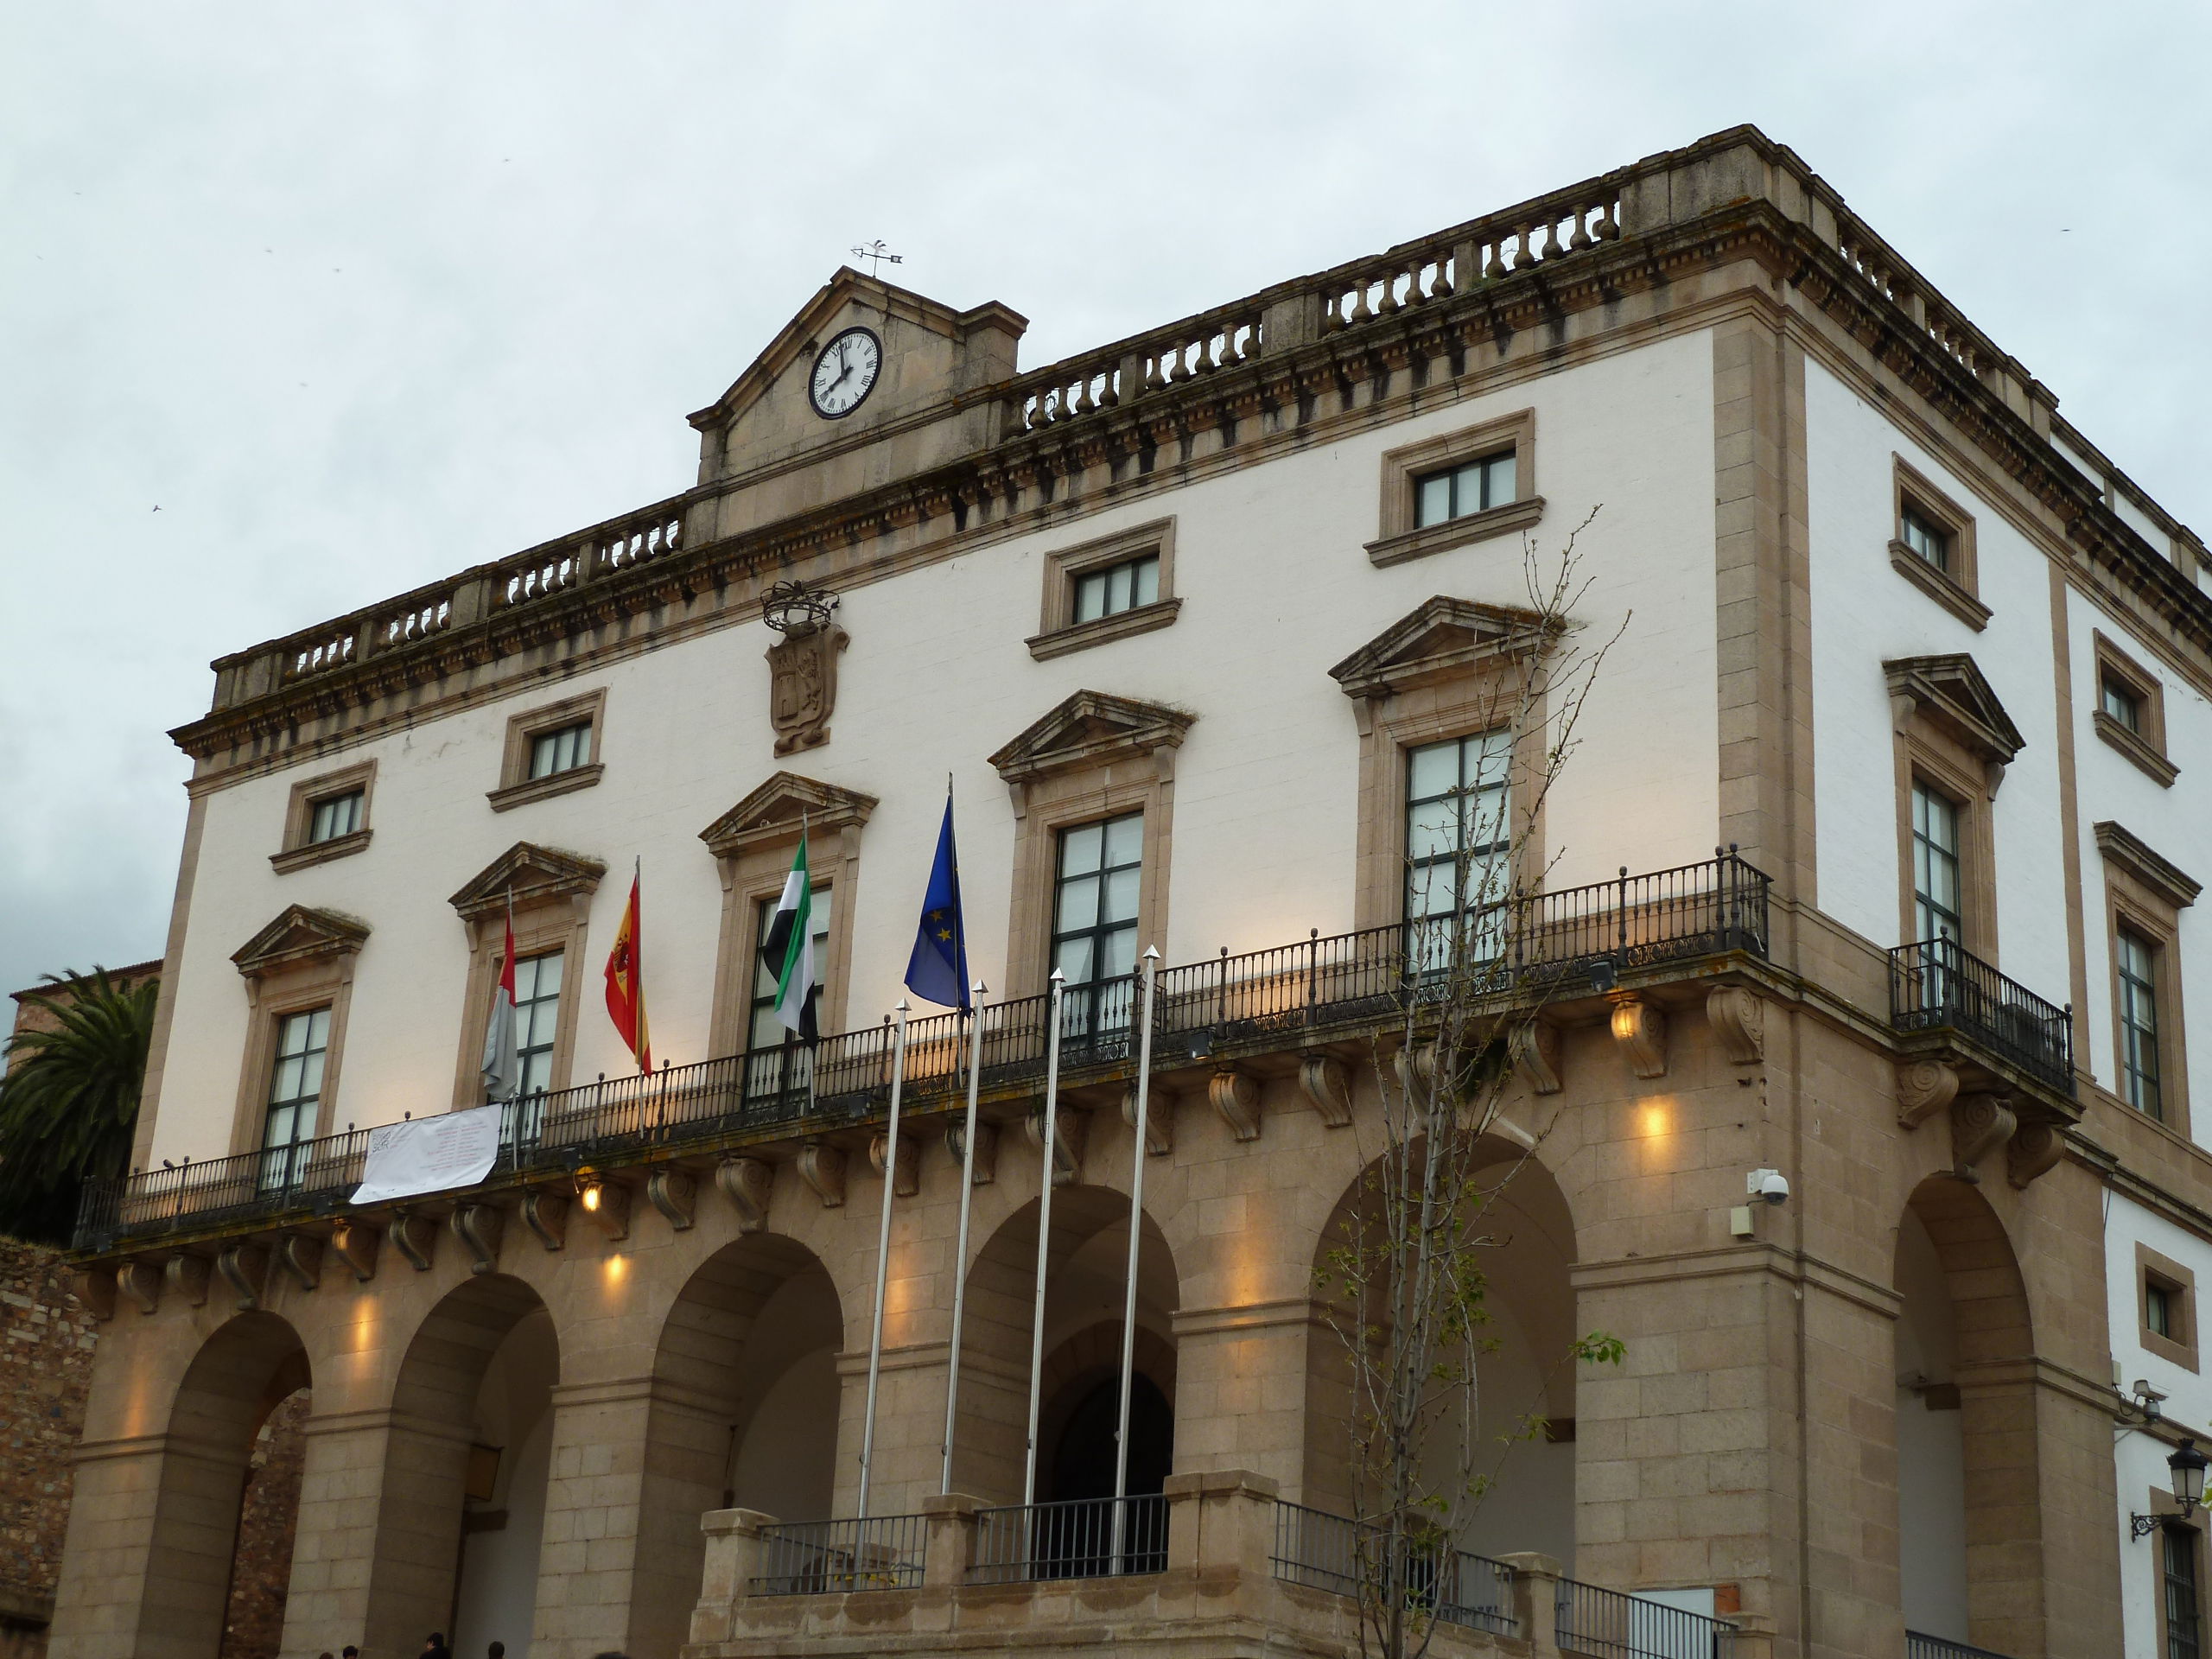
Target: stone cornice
615, 588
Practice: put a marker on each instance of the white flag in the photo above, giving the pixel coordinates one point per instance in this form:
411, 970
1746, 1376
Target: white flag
502, 1065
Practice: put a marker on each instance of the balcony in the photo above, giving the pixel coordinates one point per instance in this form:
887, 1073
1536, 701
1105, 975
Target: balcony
1217, 1555
1293, 996
1918, 1646
1936, 985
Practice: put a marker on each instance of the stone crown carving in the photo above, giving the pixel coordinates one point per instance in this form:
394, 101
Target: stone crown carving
1440, 640
2161, 876
1089, 727
770, 815
300, 934
526, 872
1952, 693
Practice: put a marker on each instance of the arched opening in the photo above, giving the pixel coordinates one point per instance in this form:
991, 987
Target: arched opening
463, 1504
1527, 1475
745, 1414
1079, 1384
238, 1378
269, 1514
1970, 1550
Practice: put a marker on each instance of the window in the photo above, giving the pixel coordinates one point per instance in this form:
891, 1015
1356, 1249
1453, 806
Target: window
550, 751
295, 1094
1095, 921
537, 1029
1924, 539
2136, 961
2131, 711
561, 751
1116, 589
2165, 1307
2159, 1311
335, 816
1937, 899
1472, 486
776, 1059
1458, 837
1110, 588
2119, 700
2177, 1579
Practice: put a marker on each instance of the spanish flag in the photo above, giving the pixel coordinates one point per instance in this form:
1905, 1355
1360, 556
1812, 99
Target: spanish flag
626, 985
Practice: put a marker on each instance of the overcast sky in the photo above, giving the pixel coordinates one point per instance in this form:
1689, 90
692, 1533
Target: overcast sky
358, 296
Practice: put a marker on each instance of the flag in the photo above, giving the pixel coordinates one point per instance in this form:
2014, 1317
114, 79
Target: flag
625, 983
502, 1068
937, 971
789, 950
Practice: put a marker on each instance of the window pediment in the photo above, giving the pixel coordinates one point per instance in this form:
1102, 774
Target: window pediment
772, 814
2161, 876
1444, 637
1951, 693
300, 934
1091, 728
527, 873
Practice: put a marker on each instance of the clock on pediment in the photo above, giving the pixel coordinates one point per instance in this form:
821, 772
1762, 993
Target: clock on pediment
845, 372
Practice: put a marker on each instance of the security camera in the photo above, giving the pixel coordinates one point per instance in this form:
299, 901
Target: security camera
1768, 1184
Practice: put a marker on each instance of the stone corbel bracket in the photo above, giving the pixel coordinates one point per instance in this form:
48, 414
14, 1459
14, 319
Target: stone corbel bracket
546, 1214
607, 1205
1924, 1088
1979, 1124
1159, 1117
188, 1276
986, 1149
300, 1256
1067, 1142
1537, 1052
909, 1161
2034, 1151
416, 1237
140, 1280
1235, 1094
354, 1243
95, 1289
1738, 1017
1640, 1029
747, 1183
823, 1168
244, 1267
480, 1227
675, 1194
1325, 1081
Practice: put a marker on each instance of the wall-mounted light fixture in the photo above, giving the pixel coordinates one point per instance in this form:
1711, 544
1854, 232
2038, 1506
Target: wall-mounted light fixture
606, 1204
2187, 1466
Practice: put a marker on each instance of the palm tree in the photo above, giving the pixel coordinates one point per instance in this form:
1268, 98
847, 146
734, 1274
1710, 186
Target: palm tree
69, 1098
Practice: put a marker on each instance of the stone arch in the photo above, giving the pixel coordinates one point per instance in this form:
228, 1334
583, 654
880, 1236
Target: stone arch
1086, 1259
238, 1376
744, 1410
1970, 1551
1089, 1364
414, 1576
1531, 1299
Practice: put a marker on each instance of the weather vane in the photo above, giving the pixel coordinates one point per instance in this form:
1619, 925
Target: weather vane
880, 254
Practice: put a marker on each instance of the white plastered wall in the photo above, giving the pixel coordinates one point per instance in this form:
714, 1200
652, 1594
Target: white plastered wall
1275, 588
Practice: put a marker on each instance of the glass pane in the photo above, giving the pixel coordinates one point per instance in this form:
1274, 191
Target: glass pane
1433, 831
319, 1029
1074, 960
1490, 757
1079, 848
1078, 905
1117, 588
1432, 770
1125, 840
310, 1080
1147, 581
549, 973
1497, 486
284, 1084
1433, 499
1120, 953
1429, 892
1486, 818
1090, 596
1121, 903
280, 1127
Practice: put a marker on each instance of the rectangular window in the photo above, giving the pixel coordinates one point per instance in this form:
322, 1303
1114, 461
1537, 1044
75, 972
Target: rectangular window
335, 816
2138, 964
1459, 837
560, 750
537, 1027
2158, 1310
1473, 486
1935, 888
2119, 701
294, 1095
1924, 538
776, 1059
1094, 894
1117, 587
2177, 1553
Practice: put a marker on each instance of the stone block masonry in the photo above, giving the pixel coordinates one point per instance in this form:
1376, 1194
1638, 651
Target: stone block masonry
46, 1366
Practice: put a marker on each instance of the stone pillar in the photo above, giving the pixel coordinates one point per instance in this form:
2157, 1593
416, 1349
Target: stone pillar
1222, 1520
730, 1562
1536, 1602
145, 1566
407, 1582
335, 1545
1241, 1389
951, 1549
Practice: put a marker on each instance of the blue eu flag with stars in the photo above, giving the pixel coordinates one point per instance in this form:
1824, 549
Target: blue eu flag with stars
937, 971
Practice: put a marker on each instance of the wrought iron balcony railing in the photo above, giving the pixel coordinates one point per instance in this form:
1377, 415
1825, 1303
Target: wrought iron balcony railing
1328, 1552
1597, 1624
1083, 1538
1918, 1646
1541, 944
821, 1558
1936, 983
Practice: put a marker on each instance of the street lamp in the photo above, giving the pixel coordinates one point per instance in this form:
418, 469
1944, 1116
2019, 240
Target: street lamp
2187, 1466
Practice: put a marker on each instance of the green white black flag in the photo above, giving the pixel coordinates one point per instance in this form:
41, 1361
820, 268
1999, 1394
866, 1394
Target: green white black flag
789, 950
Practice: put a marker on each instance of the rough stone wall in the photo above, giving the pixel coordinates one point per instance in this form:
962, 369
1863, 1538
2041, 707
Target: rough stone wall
253, 1623
46, 1366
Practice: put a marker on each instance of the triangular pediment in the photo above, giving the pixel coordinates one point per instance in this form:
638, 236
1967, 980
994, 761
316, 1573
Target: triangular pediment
1445, 636
1089, 727
931, 355
527, 872
1953, 692
770, 815
300, 933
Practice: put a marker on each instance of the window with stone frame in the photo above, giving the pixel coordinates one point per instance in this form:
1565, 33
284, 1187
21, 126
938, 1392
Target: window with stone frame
1932, 543
1096, 890
550, 750
2181, 1591
2136, 982
546, 894
1457, 488
327, 818
1458, 848
1107, 589
1952, 743
776, 1061
302, 1045
2145, 897
2129, 712
1938, 901
299, 983
538, 1038
2165, 1292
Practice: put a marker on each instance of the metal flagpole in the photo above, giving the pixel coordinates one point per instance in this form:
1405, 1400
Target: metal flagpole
1130, 1292
967, 1202
1044, 1234
882, 1256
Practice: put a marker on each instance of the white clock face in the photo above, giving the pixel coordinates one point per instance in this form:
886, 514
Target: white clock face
845, 372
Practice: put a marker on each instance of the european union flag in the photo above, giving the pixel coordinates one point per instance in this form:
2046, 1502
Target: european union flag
937, 971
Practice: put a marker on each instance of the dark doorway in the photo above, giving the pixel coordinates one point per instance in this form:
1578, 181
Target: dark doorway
1078, 1534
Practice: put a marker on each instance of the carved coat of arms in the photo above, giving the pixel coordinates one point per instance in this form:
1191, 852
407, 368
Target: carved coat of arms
802, 665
